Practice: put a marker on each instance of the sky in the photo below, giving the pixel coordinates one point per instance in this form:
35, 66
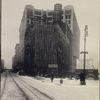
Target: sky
87, 13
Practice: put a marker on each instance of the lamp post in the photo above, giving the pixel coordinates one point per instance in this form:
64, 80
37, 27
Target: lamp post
0, 48
84, 51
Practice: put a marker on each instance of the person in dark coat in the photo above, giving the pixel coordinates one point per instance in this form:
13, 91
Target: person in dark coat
52, 77
82, 78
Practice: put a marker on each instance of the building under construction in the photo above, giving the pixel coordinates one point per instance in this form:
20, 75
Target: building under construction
49, 41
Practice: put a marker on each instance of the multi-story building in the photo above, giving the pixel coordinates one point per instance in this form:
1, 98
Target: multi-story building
2, 64
49, 39
17, 63
70, 18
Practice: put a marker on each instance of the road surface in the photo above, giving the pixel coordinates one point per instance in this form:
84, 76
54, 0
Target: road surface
15, 88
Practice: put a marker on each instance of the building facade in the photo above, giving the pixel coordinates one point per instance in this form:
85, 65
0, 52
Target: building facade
17, 60
2, 65
49, 39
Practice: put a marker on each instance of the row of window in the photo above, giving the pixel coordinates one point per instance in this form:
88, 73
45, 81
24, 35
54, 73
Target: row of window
67, 12
29, 21
49, 19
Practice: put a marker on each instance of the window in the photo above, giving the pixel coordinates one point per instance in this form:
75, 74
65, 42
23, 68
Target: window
68, 22
50, 13
38, 18
38, 12
50, 18
68, 11
68, 16
29, 21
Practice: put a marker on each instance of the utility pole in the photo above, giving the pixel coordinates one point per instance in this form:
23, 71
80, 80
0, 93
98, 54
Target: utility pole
0, 34
0, 47
84, 52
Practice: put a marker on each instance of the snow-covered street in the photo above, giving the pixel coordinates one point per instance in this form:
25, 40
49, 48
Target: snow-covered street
9, 90
69, 90
14, 88
40, 88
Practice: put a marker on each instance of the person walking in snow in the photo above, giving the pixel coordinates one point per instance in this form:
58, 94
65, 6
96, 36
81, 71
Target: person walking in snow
52, 77
82, 78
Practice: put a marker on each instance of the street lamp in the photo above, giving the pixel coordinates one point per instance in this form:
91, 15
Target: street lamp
84, 51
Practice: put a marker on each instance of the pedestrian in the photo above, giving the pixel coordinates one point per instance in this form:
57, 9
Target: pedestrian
61, 81
52, 77
82, 78
71, 76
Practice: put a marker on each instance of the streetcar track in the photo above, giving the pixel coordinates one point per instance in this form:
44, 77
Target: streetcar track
36, 89
24, 94
2, 92
33, 90
30, 90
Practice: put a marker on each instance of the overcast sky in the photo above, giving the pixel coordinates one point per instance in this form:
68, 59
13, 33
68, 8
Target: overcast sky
87, 13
